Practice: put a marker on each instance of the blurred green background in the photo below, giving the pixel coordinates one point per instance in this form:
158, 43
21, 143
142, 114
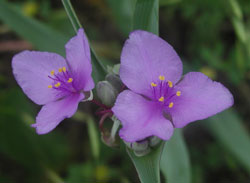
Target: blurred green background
211, 36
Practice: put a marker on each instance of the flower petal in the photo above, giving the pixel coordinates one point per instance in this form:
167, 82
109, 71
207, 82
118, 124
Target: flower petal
140, 118
144, 58
31, 70
78, 58
53, 113
200, 98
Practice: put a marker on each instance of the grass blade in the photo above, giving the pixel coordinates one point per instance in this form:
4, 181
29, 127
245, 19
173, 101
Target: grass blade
146, 16
228, 129
42, 37
175, 163
148, 166
99, 69
71, 14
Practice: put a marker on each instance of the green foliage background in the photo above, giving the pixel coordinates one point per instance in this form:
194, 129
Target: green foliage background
212, 36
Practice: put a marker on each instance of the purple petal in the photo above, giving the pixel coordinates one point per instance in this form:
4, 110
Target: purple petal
140, 118
200, 98
53, 113
78, 57
144, 58
31, 70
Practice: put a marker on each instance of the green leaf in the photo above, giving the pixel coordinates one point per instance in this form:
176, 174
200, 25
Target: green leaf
148, 166
92, 132
41, 36
99, 69
71, 14
122, 11
175, 163
229, 130
94, 138
20, 143
146, 16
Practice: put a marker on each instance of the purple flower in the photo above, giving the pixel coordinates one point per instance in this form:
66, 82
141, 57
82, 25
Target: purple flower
159, 100
57, 83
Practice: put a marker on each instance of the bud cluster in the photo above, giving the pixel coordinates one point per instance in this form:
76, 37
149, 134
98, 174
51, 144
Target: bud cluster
143, 147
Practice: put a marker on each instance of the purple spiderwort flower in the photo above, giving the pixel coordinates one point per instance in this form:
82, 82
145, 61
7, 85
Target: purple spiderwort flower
158, 100
57, 83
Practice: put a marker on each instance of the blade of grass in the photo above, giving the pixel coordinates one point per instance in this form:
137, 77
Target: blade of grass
92, 132
71, 14
122, 11
146, 16
175, 163
148, 166
41, 36
228, 129
99, 69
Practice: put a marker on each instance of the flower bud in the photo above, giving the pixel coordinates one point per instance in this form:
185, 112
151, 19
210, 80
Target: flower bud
140, 148
154, 141
106, 93
115, 81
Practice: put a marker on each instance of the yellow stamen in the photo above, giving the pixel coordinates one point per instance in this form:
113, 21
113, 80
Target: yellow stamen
52, 72
50, 86
70, 80
178, 93
162, 78
153, 84
171, 104
64, 69
170, 84
60, 69
161, 99
57, 84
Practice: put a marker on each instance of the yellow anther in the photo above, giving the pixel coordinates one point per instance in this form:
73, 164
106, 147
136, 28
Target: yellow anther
64, 69
57, 84
170, 84
60, 69
50, 86
52, 72
161, 99
70, 80
178, 93
171, 104
153, 84
162, 78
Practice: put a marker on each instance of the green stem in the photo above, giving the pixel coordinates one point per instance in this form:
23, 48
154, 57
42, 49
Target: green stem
53, 177
99, 70
71, 14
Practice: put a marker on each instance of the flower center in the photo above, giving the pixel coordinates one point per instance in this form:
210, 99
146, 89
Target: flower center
164, 92
62, 80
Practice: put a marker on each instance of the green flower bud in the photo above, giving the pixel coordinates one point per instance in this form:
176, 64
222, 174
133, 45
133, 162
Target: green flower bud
115, 81
154, 141
106, 93
139, 148
142, 153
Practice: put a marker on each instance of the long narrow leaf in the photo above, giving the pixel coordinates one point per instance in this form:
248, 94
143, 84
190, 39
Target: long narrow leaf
148, 166
99, 69
71, 14
146, 16
228, 129
175, 164
41, 36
